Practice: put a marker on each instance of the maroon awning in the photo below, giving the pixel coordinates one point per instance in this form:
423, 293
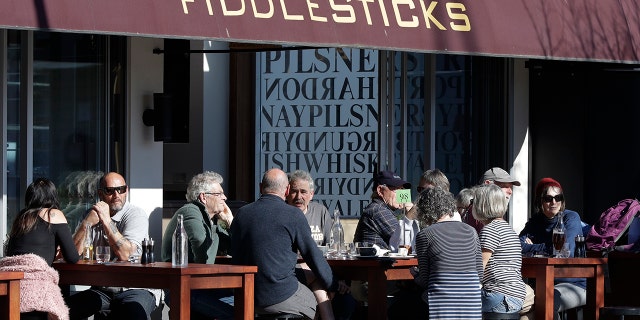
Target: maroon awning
577, 29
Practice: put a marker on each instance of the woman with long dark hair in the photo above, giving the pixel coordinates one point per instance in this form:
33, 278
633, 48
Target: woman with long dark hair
41, 228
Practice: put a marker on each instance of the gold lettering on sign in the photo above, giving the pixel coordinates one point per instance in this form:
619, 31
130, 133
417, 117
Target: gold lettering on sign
288, 16
407, 13
383, 10
184, 6
466, 26
407, 24
350, 18
186, 10
227, 12
313, 5
367, 14
263, 15
428, 15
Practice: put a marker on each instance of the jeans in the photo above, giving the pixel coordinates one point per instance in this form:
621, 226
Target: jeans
128, 304
568, 296
209, 303
498, 302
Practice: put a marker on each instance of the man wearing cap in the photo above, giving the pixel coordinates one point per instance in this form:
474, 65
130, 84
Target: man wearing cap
378, 224
502, 179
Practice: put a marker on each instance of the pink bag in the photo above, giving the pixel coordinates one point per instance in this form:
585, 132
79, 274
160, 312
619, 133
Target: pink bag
612, 225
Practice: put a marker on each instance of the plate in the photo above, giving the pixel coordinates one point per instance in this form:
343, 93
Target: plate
365, 257
399, 256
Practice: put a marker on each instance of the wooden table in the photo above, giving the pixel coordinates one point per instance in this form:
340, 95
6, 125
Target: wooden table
161, 275
10, 294
544, 270
376, 272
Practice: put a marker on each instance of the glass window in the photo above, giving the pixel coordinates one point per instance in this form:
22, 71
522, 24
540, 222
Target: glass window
13, 123
69, 100
451, 114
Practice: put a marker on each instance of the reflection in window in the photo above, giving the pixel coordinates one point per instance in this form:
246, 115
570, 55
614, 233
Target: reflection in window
452, 111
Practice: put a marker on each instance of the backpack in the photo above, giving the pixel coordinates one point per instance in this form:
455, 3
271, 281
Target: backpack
612, 225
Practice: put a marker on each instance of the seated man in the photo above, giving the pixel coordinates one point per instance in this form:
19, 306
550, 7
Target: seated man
378, 223
206, 219
268, 233
301, 190
125, 226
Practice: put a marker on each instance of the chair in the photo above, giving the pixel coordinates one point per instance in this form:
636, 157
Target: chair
277, 316
618, 312
501, 316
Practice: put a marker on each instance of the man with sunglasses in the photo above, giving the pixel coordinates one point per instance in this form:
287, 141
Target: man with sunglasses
124, 226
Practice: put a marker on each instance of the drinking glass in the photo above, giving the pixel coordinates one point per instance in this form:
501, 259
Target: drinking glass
348, 250
559, 239
564, 252
103, 254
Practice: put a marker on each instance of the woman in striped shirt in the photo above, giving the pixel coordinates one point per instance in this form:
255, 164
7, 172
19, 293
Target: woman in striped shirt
449, 259
502, 287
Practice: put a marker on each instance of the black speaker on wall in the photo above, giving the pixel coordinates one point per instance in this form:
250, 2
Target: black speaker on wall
171, 119
172, 106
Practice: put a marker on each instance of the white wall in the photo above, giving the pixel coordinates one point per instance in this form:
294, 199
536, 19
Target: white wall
145, 160
519, 133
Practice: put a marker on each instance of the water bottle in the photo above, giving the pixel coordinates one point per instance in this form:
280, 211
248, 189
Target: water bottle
336, 240
558, 237
179, 245
87, 252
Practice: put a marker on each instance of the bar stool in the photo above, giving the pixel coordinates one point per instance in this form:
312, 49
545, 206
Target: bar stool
277, 316
618, 312
501, 316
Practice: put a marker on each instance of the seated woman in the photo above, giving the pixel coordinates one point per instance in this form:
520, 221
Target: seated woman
503, 290
449, 259
536, 237
39, 234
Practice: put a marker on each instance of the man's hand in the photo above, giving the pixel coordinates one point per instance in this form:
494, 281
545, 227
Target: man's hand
226, 216
103, 212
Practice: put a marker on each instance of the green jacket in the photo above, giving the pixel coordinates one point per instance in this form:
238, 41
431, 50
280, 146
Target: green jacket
206, 237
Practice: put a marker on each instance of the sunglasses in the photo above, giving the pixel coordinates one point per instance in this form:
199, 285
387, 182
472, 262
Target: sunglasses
557, 198
112, 190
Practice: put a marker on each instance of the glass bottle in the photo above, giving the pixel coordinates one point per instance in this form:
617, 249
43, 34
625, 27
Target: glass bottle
559, 236
87, 252
179, 245
336, 240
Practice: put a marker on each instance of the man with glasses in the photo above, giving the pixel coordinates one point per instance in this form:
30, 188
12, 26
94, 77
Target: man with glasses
378, 223
206, 220
124, 226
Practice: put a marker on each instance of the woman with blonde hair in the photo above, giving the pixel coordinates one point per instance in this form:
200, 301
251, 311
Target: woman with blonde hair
503, 290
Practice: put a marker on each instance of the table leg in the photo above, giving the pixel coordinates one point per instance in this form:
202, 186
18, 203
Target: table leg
244, 299
544, 292
180, 299
377, 294
10, 301
595, 293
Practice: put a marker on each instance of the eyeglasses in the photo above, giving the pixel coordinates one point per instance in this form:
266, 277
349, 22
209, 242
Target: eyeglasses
557, 198
215, 194
112, 190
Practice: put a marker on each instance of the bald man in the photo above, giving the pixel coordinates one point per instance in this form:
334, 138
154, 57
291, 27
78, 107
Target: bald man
269, 233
